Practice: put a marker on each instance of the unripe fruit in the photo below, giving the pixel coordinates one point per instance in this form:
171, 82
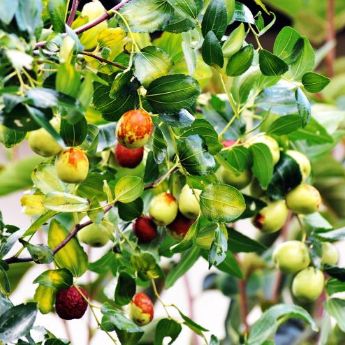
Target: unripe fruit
330, 254
134, 128
163, 208
96, 235
291, 256
303, 199
180, 226
141, 309
272, 217
128, 158
70, 304
189, 202
72, 165
145, 229
302, 161
308, 284
270, 142
234, 178
42, 143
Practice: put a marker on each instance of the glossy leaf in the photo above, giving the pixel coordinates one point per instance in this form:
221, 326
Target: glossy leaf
212, 50
128, 189
285, 125
167, 328
238, 158
73, 135
190, 8
45, 298
284, 44
240, 243
234, 42
125, 289
72, 255
221, 203
305, 61
10, 137
131, 210
159, 146
270, 64
240, 61
215, 18
55, 279
314, 82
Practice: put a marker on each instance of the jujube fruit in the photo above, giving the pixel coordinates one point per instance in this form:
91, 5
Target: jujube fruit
272, 217
302, 161
303, 199
188, 202
180, 226
141, 309
72, 165
128, 158
145, 229
235, 178
163, 208
96, 235
308, 284
70, 304
134, 128
291, 256
330, 254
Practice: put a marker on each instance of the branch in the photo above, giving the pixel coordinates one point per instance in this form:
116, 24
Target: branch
71, 16
104, 60
242, 287
331, 36
93, 23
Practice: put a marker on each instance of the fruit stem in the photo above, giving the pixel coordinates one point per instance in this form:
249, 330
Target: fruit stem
154, 287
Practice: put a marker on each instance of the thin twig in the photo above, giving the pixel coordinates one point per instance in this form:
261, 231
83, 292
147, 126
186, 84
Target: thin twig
115, 64
73, 12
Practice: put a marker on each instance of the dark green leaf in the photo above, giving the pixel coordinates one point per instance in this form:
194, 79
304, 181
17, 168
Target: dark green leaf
240, 61
167, 328
212, 50
125, 289
131, 210
215, 18
239, 243
192, 325
332, 236
314, 82
334, 285
303, 106
151, 169
10, 137
159, 146
40, 254
285, 125
271, 64
73, 135
262, 163
230, 266
238, 158
285, 43
172, 93
335, 272
305, 61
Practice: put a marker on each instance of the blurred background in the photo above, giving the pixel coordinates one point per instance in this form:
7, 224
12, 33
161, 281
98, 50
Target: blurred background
323, 22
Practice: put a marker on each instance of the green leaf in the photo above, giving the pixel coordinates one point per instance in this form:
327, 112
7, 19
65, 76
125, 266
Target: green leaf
146, 266
45, 298
167, 328
17, 322
147, 15
239, 243
331, 236
219, 247
125, 289
270, 64
188, 239
127, 331
314, 82
215, 19
187, 260
151, 63
285, 125
131, 210
129, 188
28, 17
194, 156
214, 340
284, 44
203, 128
190, 8
305, 61
212, 51
159, 146
262, 163
65, 202
192, 325
10, 137
151, 169
73, 135
286, 176
7, 10
172, 93
334, 285
181, 119
234, 42
40, 254
5, 304
238, 158
303, 105
55, 279
243, 14
336, 308
230, 266
240, 61
221, 203
72, 255
266, 326
57, 11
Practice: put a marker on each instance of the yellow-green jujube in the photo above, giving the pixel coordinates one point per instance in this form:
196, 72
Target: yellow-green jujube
188, 202
304, 199
302, 161
163, 208
308, 284
234, 178
96, 235
270, 142
330, 254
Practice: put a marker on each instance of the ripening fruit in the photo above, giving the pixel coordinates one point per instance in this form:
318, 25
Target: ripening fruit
128, 158
163, 208
145, 229
228, 142
180, 226
330, 254
141, 309
234, 178
96, 235
291, 256
72, 165
134, 128
272, 217
308, 284
303, 199
188, 202
70, 304
302, 161
42, 143
270, 142
92, 10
